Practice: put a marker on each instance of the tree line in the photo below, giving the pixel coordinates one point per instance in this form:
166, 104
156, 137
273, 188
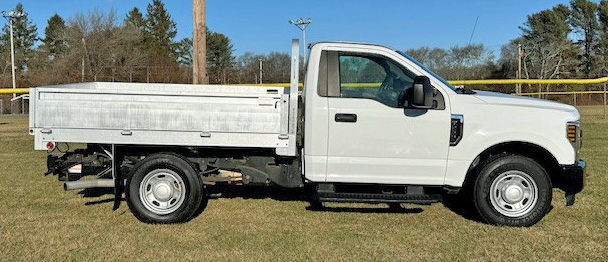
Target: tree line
139, 47
566, 41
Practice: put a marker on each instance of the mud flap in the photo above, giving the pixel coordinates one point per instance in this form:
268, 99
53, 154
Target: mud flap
117, 176
118, 190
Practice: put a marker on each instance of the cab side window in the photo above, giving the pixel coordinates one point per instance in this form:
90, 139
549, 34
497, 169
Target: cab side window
373, 77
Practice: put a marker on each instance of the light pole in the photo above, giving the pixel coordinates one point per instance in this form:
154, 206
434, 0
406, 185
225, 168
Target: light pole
9, 16
261, 63
302, 24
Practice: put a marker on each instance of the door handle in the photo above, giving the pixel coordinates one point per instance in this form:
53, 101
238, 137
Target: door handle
346, 118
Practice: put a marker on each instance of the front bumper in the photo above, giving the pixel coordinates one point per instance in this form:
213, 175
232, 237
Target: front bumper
573, 180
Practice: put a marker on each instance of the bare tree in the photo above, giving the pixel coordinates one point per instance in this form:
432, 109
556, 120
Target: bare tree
470, 61
105, 47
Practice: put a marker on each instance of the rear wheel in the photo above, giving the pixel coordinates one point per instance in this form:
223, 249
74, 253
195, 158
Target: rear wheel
164, 188
512, 191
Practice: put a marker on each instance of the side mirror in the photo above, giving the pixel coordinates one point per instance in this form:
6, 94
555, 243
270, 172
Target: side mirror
422, 93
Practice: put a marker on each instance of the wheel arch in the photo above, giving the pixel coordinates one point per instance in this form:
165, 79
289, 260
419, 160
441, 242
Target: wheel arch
536, 152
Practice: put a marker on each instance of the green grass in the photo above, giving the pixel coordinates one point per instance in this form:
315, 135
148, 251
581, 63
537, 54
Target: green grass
595, 113
39, 221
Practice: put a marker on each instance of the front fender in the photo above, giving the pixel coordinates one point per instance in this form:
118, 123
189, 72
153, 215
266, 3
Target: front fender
461, 157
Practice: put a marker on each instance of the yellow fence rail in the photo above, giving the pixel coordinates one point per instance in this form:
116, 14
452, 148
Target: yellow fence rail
482, 82
14, 90
530, 81
563, 93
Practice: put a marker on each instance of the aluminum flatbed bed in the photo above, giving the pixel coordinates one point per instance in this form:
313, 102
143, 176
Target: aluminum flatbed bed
163, 114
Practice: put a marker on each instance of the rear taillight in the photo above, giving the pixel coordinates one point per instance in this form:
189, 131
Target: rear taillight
50, 146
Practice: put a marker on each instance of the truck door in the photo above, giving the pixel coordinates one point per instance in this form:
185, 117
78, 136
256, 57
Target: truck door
371, 137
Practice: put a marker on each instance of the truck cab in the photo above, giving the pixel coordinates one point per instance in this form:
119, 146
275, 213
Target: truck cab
374, 116
358, 127
371, 125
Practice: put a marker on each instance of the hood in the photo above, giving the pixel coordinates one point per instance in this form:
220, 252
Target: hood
520, 101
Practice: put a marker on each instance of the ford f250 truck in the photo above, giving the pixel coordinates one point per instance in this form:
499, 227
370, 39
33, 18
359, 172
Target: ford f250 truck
371, 125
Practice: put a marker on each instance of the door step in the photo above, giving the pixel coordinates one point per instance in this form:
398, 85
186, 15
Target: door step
383, 194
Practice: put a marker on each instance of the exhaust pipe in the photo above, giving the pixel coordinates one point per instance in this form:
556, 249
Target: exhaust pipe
76, 185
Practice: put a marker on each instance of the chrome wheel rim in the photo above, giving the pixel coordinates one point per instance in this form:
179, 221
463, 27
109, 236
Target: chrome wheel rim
162, 191
514, 193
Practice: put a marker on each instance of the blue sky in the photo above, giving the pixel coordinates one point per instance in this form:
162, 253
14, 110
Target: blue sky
261, 26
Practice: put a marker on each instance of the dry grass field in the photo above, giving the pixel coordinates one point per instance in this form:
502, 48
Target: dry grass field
39, 221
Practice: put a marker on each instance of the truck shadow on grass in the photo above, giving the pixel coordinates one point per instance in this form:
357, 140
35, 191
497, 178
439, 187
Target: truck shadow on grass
274, 193
455, 203
99, 192
462, 206
304, 195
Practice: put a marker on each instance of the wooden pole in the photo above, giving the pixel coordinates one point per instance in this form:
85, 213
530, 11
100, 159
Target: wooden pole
199, 43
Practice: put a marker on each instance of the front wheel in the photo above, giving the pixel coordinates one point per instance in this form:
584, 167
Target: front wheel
163, 189
512, 191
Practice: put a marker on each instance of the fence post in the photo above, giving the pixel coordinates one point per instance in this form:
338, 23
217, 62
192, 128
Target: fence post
604, 100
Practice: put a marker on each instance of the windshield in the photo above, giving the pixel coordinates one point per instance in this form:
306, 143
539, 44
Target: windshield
427, 70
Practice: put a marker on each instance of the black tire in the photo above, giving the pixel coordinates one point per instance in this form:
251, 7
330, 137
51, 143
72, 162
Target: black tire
528, 176
193, 199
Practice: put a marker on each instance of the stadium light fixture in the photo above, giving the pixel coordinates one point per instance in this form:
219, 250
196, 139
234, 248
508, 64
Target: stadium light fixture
302, 24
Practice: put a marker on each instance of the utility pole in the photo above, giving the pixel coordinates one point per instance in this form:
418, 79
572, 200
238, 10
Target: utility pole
261, 63
199, 43
520, 54
302, 24
9, 16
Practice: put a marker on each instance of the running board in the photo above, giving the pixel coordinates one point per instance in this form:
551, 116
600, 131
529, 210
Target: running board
378, 198
411, 194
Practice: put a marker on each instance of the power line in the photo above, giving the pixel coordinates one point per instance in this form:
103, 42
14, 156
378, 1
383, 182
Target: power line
473, 33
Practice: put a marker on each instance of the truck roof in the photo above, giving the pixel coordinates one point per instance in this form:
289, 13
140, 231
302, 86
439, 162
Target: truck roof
350, 42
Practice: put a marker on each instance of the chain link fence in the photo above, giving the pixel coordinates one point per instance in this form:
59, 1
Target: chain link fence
589, 99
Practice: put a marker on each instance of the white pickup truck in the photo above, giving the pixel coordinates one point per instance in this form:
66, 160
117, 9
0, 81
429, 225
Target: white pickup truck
371, 125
